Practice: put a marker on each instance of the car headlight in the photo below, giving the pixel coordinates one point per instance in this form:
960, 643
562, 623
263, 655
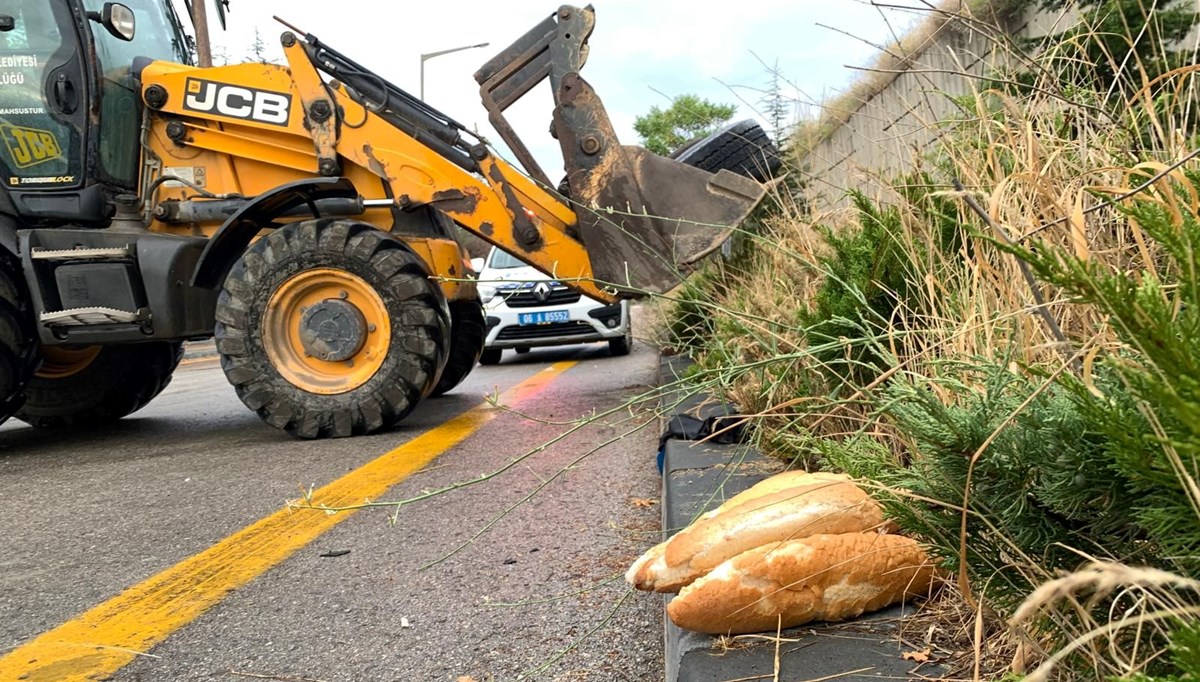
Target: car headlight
487, 292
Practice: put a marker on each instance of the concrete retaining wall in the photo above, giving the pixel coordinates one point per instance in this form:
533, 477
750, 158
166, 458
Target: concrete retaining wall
891, 127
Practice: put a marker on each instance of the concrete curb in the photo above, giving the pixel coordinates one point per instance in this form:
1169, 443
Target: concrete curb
699, 476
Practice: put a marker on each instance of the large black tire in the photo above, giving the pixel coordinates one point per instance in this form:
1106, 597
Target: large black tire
467, 334
742, 147
622, 345
406, 367
18, 339
117, 382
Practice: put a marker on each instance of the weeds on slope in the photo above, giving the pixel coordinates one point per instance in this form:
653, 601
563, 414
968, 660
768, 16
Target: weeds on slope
1043, 438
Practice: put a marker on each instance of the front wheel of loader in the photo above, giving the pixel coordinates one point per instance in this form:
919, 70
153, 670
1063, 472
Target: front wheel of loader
467, 334
95, 385
331, 328
18, 340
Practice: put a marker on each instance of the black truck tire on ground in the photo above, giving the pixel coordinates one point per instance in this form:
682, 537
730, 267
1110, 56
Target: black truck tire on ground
18, 339
403, 329
112, 383
742, 147
622, 345
468, 331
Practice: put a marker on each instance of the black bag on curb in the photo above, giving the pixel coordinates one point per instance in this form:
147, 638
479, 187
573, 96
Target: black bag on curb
723, 429
717, 422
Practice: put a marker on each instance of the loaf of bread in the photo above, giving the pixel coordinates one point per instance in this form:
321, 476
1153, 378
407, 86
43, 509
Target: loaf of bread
767, 486
791, 505
823, 577
787, 479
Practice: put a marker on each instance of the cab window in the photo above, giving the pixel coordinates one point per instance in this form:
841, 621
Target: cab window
38, 148
157, 35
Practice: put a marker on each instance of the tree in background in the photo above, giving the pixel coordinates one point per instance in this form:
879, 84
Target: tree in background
664, 130
778, 109
258, 50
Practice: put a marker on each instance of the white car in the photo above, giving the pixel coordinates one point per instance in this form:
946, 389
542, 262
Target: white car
524, 309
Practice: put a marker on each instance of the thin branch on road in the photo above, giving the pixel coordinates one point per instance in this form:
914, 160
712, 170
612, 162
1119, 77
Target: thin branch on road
540, 420
280, 678
826, 678
533, 493
642, 398
122, 649
429, 469
578, 640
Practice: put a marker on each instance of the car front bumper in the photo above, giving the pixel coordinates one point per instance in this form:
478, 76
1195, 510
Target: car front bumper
589, 320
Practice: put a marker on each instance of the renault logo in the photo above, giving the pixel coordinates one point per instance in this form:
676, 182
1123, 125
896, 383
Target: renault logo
541, 290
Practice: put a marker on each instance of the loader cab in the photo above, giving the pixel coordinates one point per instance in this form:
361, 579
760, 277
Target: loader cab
70, 124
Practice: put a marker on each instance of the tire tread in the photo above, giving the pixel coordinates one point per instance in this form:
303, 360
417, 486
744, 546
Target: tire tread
419, 319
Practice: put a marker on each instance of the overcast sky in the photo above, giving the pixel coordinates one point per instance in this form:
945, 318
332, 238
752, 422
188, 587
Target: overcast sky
643, 52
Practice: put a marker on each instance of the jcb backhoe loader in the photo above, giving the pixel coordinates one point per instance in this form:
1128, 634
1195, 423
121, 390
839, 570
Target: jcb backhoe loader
302, 214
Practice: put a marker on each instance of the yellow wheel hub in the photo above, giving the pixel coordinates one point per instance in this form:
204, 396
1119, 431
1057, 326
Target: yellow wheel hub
59, 362
326, 331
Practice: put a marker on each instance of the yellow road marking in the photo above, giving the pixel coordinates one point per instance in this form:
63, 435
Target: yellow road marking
207, 359
101, 641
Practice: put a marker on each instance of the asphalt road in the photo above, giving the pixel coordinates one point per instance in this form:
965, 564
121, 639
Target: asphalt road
88, 514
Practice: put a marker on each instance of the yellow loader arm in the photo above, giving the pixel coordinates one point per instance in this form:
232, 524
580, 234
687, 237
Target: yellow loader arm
632, 224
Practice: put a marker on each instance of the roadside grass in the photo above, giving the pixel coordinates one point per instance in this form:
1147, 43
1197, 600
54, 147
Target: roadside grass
1006, 348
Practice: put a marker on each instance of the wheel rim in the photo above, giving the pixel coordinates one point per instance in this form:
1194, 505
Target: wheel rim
326, 331
59, 362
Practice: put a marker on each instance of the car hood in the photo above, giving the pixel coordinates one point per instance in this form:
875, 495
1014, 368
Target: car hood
525, 274
507, 279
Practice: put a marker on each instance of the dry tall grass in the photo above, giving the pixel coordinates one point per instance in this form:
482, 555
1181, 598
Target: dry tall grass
1042, 166
1047, 161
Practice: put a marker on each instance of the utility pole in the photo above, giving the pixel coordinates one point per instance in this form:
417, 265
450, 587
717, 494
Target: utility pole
200, 21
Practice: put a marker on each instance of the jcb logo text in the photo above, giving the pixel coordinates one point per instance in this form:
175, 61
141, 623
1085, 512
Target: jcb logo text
30, 146
235, 101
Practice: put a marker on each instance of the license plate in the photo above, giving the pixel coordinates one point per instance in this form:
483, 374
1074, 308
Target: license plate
544, 317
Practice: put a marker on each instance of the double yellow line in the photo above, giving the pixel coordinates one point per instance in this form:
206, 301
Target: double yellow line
99, 642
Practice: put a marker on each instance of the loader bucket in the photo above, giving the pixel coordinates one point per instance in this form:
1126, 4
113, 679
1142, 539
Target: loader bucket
645, 219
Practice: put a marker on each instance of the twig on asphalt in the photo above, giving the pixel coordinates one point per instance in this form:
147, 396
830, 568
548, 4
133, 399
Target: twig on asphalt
578, 640
814, 679
533, 493
135, 652
429, 469
641, 398
280, 678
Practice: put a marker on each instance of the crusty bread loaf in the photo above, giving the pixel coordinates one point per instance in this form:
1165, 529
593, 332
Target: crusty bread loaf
651, 562
823, 577
793, 507
773, 484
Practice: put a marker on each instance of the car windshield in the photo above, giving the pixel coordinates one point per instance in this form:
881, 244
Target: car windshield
501, 260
